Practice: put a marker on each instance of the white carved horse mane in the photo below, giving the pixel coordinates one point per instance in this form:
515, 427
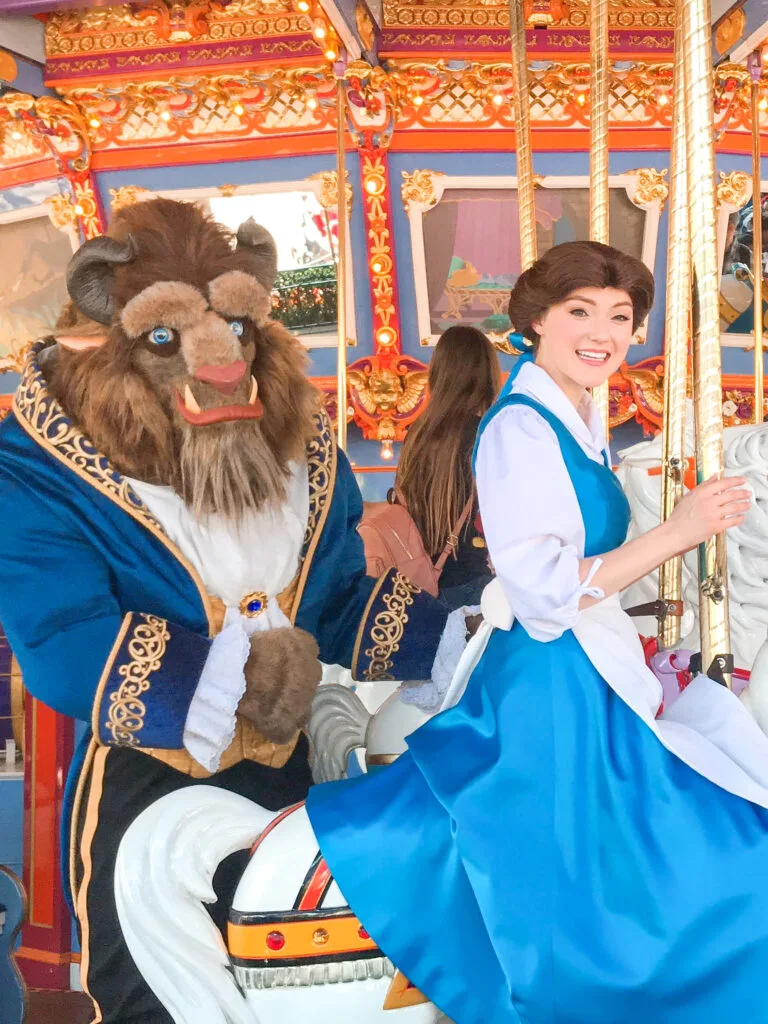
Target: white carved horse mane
745, 450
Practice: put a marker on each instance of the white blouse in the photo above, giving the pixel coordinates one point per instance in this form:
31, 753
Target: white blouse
531, 516
260, 553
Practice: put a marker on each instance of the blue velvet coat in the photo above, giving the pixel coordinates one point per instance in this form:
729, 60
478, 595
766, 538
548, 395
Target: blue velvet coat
112, 625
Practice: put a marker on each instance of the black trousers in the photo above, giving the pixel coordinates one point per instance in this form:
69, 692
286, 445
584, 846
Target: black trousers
121, 784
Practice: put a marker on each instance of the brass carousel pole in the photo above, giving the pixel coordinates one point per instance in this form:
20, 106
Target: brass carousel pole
525, 180
341, 267
699, 114
755, 68
678, 307
598, 153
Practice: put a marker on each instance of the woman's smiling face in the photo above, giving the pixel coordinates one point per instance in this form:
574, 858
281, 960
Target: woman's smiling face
585, 338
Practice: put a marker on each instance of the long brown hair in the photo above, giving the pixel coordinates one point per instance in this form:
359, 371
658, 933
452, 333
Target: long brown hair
435, 470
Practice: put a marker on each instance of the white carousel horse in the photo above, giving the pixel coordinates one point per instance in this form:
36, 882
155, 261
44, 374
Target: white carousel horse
745, 453
296, 951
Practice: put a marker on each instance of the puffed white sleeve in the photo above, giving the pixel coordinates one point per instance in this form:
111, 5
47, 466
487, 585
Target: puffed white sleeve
532, 522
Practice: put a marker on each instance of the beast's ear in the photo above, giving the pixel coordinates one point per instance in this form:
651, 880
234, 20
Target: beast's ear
259, 245
89, 275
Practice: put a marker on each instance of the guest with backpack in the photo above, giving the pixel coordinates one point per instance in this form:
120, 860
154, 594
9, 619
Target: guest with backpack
431, 530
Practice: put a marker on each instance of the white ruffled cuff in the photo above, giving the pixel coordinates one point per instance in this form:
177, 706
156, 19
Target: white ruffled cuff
210, 725
429, 695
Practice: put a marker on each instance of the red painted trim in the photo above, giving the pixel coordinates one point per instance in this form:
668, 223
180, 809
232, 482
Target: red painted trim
316, 888
46, 938
27, 174
215, 152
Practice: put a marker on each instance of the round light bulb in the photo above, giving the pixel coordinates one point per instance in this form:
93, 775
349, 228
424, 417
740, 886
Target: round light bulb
239, 109
165, 115
418, 99
95, 122
386, 451
312, 103
497, 100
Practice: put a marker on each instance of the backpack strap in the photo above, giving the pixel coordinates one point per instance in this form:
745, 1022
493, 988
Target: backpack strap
453, 536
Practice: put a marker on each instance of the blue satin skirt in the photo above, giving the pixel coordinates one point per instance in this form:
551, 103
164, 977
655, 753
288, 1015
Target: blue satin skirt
538, 856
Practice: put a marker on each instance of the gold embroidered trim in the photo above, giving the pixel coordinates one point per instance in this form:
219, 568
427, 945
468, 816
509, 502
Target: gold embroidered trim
146, 649
321, 473
388, 627
45, 421
45, 415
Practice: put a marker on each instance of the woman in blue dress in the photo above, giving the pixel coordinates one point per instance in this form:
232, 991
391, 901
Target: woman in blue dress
547, 850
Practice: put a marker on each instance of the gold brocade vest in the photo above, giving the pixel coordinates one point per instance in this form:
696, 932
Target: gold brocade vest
248, 743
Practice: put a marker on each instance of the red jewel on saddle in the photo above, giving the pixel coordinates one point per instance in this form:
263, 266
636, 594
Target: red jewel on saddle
275, 941
363, 933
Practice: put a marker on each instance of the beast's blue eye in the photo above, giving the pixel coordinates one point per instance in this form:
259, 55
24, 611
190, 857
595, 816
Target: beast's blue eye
238, 327
161, 335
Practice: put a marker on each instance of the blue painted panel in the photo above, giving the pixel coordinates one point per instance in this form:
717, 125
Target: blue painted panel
11, 820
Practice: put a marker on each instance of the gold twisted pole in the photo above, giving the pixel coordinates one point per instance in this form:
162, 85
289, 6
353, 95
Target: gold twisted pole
755, 68
699, 113
341, 267
678, 308
524, 155
598, 153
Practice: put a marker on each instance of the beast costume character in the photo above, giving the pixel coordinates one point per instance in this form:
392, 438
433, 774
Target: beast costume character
179, 545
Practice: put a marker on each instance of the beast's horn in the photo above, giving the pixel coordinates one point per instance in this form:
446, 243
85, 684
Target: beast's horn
89, 275
257, 242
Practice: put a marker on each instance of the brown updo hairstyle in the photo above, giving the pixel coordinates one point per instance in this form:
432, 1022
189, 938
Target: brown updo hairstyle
572, 265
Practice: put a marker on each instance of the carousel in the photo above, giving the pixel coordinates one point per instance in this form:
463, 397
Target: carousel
411, 158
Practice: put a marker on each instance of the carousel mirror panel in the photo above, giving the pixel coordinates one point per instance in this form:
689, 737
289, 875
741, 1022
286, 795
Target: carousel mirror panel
32, 288
466, 243
737, 270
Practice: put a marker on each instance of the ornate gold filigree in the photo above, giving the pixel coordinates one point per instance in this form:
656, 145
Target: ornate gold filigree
489, 14
734, 189
16, 358
388, 627
379, 237
62, 210
126, 195
132, 27
419, 187
383, 391
650, 186
87, 209
328, 194
649, 384
146, 649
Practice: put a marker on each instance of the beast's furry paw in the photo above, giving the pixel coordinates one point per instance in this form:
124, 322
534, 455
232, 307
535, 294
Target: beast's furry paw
281, 676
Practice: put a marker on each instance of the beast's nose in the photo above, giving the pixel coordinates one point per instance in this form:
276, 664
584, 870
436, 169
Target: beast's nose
223, 378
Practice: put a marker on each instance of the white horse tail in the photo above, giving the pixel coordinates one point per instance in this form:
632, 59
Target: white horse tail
338, 726
163, 876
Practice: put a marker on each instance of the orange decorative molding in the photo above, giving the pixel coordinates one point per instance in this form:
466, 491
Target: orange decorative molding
162, 112
489, 14
380, 246
637, 392
173, 35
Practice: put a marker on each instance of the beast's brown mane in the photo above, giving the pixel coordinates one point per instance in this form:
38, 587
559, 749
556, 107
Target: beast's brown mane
107, 391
